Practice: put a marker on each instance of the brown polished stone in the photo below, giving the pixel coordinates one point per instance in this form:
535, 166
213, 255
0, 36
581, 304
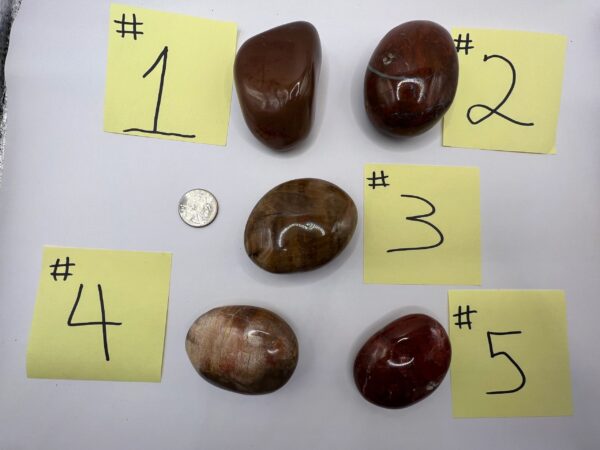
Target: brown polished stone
299, 225
244, 349
276, 75
411, 78
403, 362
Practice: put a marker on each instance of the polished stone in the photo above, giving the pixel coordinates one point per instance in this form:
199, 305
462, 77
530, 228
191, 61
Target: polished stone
404, 362
244, 349
411, 79
299, 225
276, 74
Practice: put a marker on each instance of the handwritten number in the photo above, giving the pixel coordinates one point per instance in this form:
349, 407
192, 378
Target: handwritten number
419, 218
103, 322
162, 57
492, 111
493, 354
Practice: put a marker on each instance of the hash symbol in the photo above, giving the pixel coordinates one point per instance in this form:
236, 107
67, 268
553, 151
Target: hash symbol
459, 315
466, 43
66, 266
376, 181
134, 24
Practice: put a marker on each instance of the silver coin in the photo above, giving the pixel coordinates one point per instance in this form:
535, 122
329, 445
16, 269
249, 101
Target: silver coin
198, 208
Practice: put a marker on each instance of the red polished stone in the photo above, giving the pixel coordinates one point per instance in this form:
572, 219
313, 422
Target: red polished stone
276, 75
411, 78
404, 362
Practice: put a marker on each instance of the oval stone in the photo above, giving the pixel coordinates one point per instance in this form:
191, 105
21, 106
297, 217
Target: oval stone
299, 225
244, 349
404, 362
411, 78
276, 74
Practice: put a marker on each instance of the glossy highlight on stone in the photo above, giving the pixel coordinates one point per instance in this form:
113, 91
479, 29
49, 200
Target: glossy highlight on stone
244, 349
276, 74
404, 362
299, 225
411, 78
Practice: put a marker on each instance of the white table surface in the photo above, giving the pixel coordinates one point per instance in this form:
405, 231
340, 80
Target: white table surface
66, 182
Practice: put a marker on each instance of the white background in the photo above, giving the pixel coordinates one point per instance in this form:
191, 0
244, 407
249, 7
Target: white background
68, 183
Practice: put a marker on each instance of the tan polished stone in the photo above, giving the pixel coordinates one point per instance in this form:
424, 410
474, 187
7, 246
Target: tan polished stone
244, 349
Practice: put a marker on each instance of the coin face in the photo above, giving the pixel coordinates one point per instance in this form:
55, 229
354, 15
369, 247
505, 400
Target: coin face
198, 208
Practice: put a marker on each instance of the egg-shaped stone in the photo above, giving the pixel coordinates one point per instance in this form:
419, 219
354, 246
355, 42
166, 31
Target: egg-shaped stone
411, 78
404, 362
276, 74
244, 349
299, 225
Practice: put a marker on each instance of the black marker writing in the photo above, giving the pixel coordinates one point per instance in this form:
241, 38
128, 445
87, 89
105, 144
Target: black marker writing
161, 57
58, 265
495, 111
103, 322
466, 314
124, 24
419, 218
493, 354
459, 44
377, 181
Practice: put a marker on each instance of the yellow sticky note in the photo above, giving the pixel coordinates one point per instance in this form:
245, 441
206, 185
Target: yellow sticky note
168, 76
509, 90
510, 354
99, 315
422, 224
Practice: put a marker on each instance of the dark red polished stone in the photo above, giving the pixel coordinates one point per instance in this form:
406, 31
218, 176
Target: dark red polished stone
403, 362
411, 78
276, 75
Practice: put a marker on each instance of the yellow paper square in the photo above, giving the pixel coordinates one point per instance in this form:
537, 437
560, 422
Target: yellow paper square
537, 344
193, 57
394, 219
537, 60
133, 290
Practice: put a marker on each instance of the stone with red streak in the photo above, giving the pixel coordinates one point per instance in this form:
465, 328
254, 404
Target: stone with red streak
242, 348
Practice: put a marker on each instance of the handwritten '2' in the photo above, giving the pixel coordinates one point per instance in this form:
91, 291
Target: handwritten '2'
495, 111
